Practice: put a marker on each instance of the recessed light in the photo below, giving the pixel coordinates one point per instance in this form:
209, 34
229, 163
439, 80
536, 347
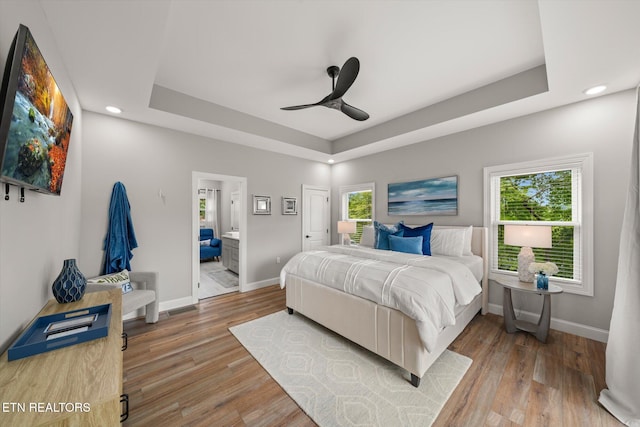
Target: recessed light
330, 161
114, 110
595, 90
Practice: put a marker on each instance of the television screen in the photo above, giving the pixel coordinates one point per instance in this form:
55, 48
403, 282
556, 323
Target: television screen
35, 122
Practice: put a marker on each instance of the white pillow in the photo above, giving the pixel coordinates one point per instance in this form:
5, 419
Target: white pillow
205, 242
466, 249
121, 279
368, 236
448, 241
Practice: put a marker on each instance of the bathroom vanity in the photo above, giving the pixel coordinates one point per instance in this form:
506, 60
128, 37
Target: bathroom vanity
230, 251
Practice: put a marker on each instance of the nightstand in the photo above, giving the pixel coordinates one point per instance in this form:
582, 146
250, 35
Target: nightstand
540, 330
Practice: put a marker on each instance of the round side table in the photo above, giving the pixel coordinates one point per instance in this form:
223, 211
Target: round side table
541, 329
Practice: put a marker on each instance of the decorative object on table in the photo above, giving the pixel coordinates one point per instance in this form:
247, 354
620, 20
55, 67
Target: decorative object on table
120, 239
262, 205
436, 196
70, 284
527, 237
542, 281
542, 271
345, 228
289, 206
35, 340
70, 325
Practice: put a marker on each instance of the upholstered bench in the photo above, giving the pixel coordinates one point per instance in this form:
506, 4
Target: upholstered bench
144, 293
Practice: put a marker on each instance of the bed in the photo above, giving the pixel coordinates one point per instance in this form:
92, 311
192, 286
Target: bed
386, 331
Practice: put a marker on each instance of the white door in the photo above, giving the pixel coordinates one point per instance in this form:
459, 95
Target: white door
315, 217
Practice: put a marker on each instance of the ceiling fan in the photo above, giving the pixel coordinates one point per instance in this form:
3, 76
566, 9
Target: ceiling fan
346, 77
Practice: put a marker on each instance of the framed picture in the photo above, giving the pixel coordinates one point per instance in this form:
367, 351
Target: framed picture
289, 206
435, 196
262, 205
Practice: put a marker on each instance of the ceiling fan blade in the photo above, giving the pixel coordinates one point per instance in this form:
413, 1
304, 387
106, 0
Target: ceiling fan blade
299, 107
347, 76
353, 112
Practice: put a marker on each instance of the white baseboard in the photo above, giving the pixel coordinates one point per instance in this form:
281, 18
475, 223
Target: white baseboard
558, 324
260, 284
176, 303
132, 315
163, 306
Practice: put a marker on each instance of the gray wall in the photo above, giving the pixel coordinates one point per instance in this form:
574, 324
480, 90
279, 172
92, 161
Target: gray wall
38, 235
149, 159
603, 126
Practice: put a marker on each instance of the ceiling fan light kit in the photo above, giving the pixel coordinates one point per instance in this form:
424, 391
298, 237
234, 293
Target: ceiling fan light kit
334, 100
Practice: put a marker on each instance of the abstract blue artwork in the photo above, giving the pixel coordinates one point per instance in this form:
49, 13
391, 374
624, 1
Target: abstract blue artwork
436, 196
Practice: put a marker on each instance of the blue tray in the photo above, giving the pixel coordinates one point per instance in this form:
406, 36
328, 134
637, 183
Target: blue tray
34, 340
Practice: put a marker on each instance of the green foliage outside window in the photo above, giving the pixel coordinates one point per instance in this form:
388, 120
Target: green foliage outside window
359, 209
543, 196
360, 205
203, 209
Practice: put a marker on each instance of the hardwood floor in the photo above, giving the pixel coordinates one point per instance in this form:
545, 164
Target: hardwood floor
189, 370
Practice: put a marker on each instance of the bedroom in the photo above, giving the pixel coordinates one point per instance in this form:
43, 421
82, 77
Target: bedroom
602, 125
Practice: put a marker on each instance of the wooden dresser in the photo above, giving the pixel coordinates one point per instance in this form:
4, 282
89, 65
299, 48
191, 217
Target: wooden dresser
78, 385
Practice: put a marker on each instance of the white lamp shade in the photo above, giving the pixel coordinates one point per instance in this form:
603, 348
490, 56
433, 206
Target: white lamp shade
346, 227
533, 236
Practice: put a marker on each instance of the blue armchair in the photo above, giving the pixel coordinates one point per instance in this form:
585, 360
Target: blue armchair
213, 249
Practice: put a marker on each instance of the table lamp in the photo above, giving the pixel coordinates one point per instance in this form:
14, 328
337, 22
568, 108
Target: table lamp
527, 236
345, 228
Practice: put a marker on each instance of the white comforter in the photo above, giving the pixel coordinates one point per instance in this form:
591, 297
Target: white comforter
424, 288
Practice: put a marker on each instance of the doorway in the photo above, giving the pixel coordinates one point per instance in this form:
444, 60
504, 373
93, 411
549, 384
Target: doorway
219, 189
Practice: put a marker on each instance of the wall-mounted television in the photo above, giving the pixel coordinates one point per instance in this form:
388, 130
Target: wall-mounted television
35, 120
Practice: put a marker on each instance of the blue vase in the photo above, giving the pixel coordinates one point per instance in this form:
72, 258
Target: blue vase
70, 284
542, 281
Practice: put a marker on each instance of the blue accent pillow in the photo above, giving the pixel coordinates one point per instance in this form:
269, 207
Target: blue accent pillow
383, 232
410, 245
424, 231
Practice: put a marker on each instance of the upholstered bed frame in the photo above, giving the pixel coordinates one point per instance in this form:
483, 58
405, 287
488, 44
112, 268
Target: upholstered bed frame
382, 330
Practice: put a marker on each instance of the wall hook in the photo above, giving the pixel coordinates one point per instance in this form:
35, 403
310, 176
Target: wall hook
6, 191
21, 194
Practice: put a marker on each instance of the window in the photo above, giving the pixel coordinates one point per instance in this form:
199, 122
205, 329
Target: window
357, 203
556, 192
202, 199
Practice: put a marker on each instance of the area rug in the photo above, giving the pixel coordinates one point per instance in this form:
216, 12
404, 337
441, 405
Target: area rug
224, 278
338, 383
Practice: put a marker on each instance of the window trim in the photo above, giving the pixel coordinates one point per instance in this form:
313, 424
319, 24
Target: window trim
583, 217
344, 190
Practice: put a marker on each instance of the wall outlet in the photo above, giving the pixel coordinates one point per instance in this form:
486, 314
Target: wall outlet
277, 260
